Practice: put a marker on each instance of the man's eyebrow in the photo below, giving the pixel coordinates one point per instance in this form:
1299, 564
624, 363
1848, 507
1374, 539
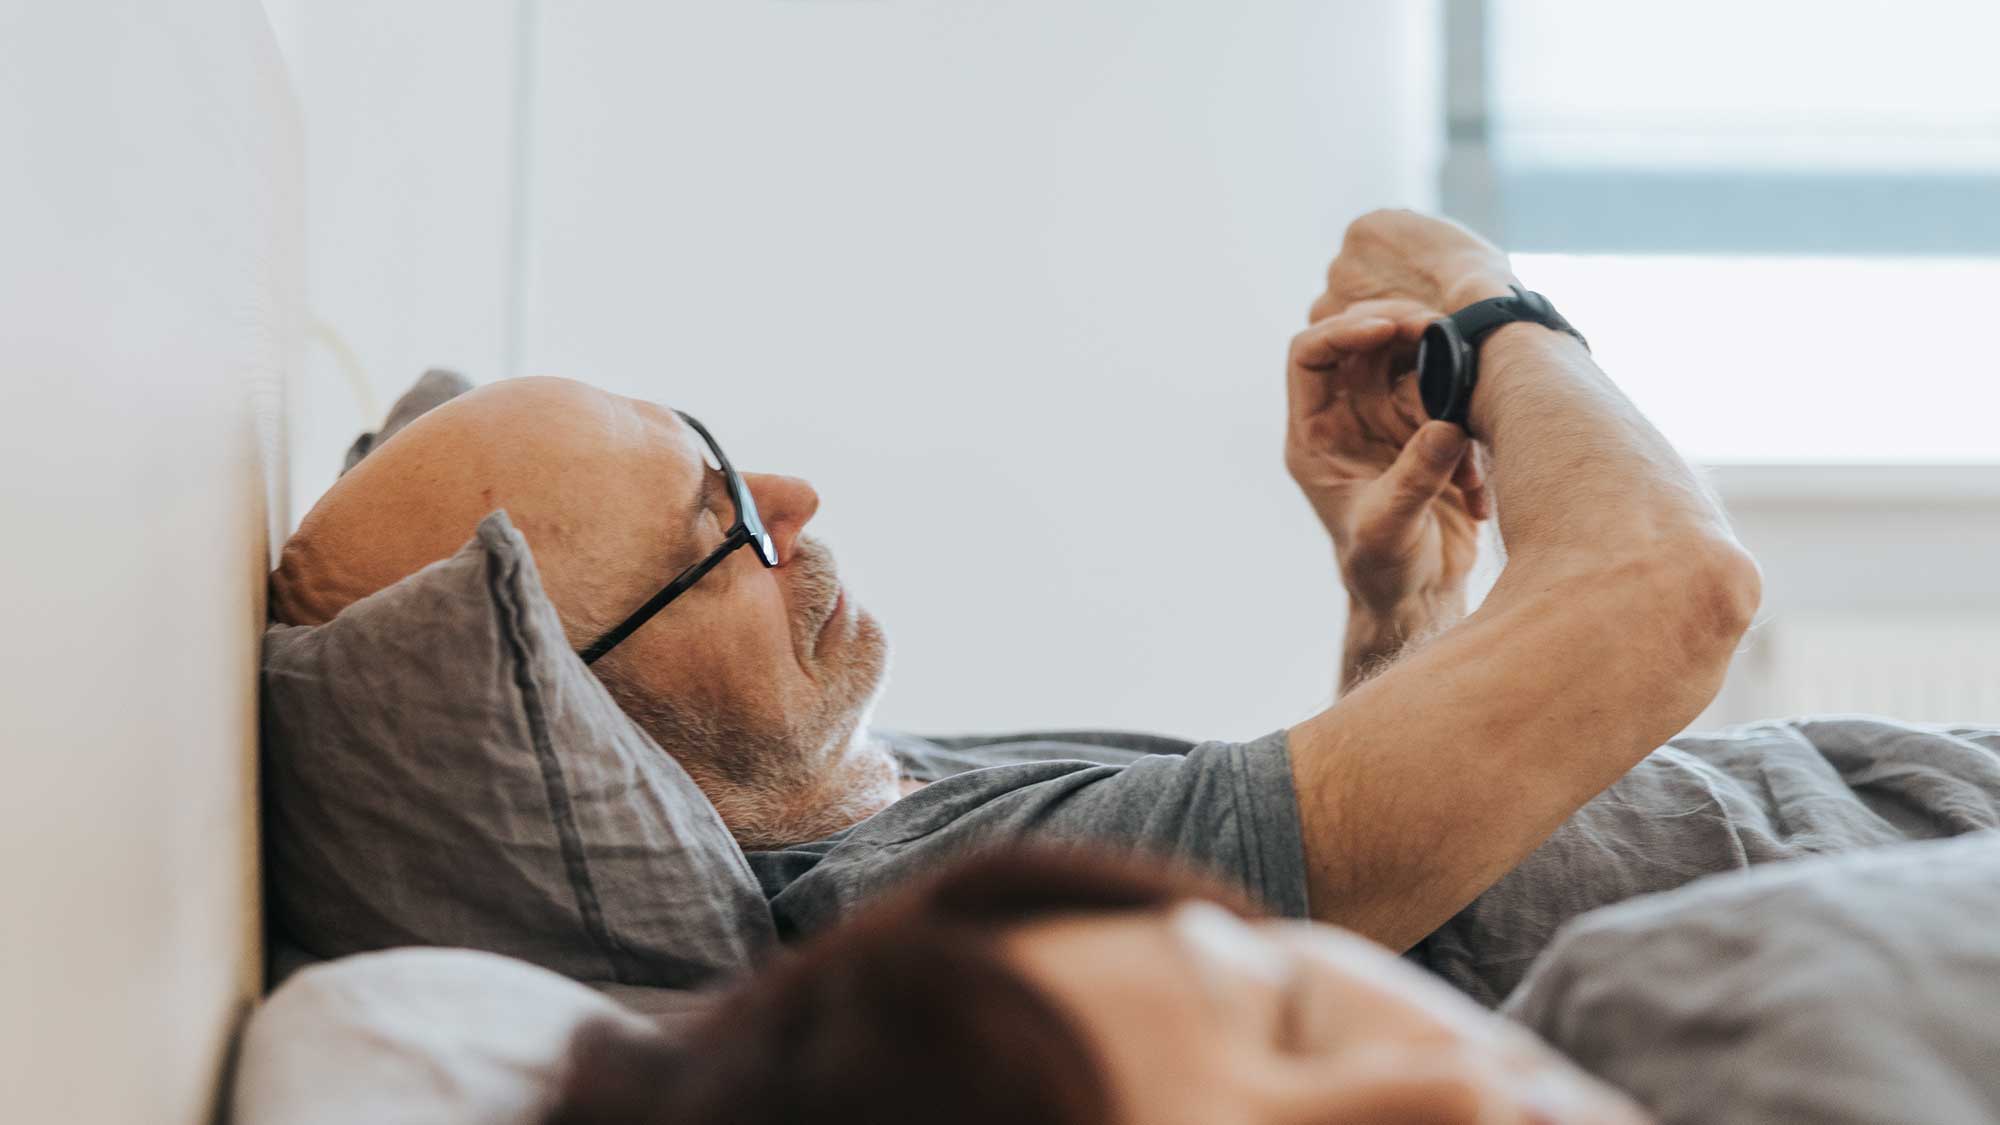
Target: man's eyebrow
691, 523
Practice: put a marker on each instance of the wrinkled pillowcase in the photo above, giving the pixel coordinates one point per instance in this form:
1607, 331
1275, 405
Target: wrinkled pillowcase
441, 769
1848, 990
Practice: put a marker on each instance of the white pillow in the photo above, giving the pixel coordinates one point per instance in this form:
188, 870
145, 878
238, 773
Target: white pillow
421, 1036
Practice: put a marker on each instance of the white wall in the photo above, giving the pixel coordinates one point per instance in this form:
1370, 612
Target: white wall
150, 281
409, 118
1878, 591
1011, 284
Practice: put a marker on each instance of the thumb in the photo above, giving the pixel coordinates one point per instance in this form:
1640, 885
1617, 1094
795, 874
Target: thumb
1423, 468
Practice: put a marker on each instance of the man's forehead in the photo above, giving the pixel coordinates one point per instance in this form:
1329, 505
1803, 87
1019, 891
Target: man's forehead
665, 425
668, 492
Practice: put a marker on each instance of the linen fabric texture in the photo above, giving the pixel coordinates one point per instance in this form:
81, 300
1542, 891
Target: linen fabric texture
441, 769
1225, 809
1719, 802
1850, 990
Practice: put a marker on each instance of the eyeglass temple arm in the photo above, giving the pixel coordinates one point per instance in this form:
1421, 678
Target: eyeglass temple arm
658, 602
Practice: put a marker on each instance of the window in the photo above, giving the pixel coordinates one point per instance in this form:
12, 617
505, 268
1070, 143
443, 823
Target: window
1779, 222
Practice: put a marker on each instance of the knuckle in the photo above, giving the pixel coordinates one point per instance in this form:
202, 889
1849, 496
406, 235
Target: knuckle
1378, 223
1409, 491
1371, 220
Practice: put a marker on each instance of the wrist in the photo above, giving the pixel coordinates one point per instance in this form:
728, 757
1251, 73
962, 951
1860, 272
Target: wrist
1477, 286
1407, 616
1520, 355
1376, 637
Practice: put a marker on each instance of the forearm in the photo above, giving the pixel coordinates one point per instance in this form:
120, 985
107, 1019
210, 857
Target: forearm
1610, 628
1578, 473
1434, 779
1375, 639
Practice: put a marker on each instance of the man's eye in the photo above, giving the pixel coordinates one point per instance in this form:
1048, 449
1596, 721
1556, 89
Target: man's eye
713, 494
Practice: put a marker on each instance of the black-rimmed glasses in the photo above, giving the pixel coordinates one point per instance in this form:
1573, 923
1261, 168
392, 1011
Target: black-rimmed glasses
748, 528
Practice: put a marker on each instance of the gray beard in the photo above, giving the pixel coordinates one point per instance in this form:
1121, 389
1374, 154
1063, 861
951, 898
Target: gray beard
809, 775
859, 780
774, 789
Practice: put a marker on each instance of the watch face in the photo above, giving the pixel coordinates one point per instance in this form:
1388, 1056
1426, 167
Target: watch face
1437, 369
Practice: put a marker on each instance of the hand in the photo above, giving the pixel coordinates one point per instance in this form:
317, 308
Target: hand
1401, 496
1401, 255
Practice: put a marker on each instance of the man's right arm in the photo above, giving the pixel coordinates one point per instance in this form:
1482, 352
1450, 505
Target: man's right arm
1611, 627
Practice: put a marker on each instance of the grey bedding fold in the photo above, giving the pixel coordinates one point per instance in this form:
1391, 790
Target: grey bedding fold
1720, 802
1851, 990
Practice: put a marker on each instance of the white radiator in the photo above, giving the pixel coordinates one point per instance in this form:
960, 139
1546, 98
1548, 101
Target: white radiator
1924, 666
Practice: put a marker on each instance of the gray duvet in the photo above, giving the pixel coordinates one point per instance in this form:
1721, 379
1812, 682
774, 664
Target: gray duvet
1718, 802
1862, 986
1847, 990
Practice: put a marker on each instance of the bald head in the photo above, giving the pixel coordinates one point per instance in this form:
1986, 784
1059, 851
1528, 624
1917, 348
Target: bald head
590, 478
758, 680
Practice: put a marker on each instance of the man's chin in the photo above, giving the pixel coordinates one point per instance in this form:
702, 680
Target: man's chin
869, 646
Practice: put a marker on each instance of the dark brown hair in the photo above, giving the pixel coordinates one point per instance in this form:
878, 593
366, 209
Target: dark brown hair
907, 1014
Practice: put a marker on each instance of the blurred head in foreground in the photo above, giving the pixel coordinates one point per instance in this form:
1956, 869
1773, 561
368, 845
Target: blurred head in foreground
1046, 987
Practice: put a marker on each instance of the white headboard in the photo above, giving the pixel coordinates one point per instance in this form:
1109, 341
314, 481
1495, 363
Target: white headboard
149, 289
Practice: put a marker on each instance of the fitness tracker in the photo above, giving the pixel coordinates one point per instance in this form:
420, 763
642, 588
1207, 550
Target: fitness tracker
1448, 354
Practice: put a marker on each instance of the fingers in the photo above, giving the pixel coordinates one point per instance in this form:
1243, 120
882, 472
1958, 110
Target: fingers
1322, 347
1398, 309
1426, 465
1361, 351
1470, 477
1326, 342
1360, 327
1323, 306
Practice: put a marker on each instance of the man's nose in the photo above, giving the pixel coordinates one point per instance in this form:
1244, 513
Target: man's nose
786, 505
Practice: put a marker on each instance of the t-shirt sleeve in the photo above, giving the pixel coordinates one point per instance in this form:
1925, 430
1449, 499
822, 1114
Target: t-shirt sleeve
935, 757
1226, 809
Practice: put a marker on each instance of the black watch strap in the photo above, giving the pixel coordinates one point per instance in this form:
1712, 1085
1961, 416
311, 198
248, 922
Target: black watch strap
1477, 319
1448, 354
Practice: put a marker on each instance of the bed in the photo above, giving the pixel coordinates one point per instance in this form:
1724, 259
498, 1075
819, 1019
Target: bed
152, 284
152, 289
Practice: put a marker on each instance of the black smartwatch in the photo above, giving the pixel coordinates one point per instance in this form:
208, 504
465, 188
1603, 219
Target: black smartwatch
1448, 354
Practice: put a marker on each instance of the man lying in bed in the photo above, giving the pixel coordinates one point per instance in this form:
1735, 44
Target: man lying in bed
1454, 799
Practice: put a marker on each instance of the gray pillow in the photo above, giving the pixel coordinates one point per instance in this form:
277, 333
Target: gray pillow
440, 769
1862, 988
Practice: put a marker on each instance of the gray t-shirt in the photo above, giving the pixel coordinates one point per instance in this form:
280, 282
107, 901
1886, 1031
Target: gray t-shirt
1705, 804
1221, 807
